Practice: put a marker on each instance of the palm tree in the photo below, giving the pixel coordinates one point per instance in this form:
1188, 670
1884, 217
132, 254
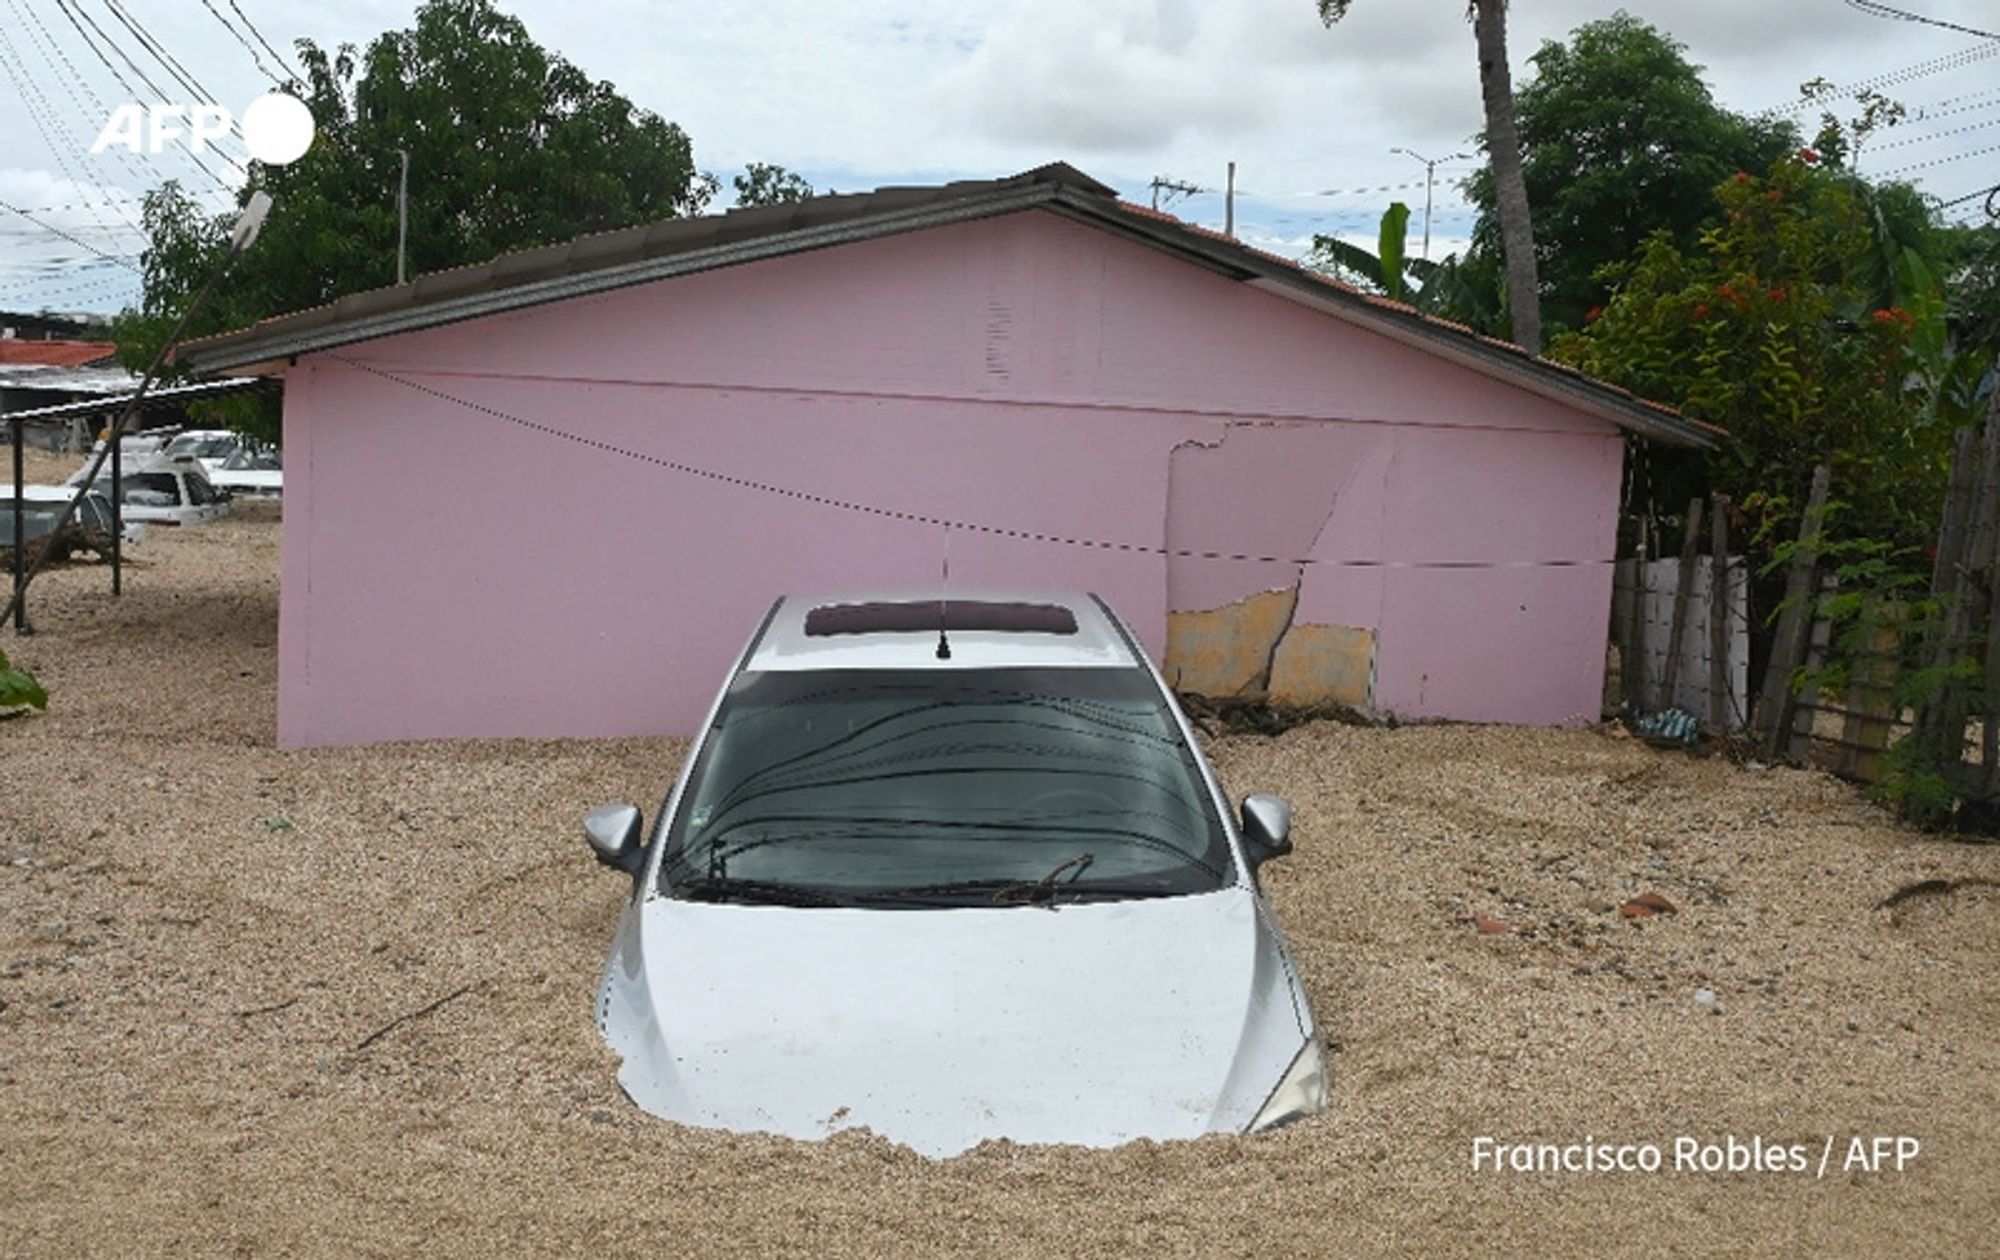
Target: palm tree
1503, 147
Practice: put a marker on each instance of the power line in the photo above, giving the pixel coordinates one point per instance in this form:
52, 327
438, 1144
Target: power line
166, 59
971, 527
125, 261
1942, 161
1935, 136
247, 46
1922, 69
42, 114
73, 82
72, 10
1875, 9
275, 54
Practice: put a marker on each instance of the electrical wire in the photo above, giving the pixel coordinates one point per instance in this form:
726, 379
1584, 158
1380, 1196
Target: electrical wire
275, 54
72, 10
1876, 9
1015, 533
1921, 70
43, 116
72, 83
1942, 161
166, 59
255, 56
125, 261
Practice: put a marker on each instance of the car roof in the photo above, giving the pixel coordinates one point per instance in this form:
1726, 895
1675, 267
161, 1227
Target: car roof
988, 629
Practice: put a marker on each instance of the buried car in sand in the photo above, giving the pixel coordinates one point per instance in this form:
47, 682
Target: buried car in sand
953, 870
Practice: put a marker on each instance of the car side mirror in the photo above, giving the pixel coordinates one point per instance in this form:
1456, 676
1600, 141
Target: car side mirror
1267, 827
613, 832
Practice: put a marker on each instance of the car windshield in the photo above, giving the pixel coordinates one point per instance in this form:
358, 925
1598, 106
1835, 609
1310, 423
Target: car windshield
260, 459
202, 445
946, 787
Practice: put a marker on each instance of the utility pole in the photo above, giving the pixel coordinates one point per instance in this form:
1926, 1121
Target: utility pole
403, 216
1430, 176
1229, 205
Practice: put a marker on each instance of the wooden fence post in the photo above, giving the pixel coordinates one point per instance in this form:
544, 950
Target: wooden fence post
1806, 711
1788, 648
1974, 572
1683, 586
1719, 692
1632, 659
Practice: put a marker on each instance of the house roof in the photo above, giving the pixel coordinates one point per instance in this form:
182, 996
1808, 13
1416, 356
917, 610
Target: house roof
673, 247
19, 351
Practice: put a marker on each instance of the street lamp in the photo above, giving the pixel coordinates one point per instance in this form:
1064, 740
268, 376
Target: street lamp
1430, 175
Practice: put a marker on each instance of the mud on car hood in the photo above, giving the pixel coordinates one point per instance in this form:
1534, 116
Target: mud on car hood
1094, 1023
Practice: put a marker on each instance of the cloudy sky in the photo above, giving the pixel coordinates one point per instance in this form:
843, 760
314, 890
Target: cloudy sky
858, 93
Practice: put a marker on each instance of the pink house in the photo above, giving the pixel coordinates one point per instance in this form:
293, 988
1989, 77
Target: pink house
553, 494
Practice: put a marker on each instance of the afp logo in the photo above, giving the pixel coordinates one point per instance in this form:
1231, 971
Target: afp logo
277, 128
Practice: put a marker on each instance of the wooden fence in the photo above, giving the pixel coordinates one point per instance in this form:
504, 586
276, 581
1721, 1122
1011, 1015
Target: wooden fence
1934, 679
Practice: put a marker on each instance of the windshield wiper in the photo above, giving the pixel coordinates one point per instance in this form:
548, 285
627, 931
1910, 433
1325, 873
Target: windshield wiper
726, 888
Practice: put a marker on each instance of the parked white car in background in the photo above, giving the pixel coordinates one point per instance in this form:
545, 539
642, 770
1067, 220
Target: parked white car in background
954, 870
164, 491
211, 446
251, 471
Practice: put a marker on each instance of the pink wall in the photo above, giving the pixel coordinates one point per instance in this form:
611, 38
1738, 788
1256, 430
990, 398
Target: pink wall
448, 572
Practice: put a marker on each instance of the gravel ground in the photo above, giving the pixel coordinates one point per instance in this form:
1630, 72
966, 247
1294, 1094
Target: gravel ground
203, 939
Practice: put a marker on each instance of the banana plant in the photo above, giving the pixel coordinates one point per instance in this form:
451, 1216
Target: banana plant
1439, 288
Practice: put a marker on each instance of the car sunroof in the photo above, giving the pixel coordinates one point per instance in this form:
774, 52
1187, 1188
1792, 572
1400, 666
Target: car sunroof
885, 617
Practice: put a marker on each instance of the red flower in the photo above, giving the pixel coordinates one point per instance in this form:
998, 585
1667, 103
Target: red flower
1773, 195
1701, 310
1778, 294
1590, 316
1809, 157
1742, 177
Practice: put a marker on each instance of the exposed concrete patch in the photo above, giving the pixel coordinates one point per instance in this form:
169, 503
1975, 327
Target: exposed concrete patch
1320, 665
1252, 648
1229, 651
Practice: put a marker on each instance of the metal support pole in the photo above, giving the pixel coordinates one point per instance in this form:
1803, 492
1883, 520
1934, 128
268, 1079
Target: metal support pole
16, 431
117, 517
1229, 205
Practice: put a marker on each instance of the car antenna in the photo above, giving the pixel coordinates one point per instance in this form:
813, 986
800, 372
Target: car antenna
944, 599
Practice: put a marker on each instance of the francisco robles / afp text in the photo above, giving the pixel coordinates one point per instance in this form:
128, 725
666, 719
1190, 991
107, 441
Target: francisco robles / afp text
1727, 1154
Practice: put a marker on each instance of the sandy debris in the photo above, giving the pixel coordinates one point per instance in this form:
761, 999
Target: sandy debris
201, 932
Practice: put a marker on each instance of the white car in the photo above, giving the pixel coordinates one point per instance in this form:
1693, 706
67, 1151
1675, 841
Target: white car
953, 869
251, 471
212, 447
164, 491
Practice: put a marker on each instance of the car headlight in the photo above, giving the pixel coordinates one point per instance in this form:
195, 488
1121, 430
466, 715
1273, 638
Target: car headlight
1302, 1093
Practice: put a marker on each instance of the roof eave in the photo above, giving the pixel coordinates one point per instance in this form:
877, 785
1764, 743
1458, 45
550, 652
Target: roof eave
1491, 359
261, 352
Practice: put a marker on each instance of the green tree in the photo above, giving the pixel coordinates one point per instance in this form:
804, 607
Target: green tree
1503, 147
510, 146
1620, 139
1763, 329
763, 184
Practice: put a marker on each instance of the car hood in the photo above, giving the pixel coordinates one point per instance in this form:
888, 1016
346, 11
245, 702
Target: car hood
1094, 1023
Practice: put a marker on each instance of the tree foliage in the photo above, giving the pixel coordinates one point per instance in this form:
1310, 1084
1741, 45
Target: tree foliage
763, 184
510, 146
1764, 329
1620, 139
1521, 290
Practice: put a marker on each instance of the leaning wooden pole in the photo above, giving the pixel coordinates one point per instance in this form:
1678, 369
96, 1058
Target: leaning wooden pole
1719, 692
1788, 648
1683, 588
